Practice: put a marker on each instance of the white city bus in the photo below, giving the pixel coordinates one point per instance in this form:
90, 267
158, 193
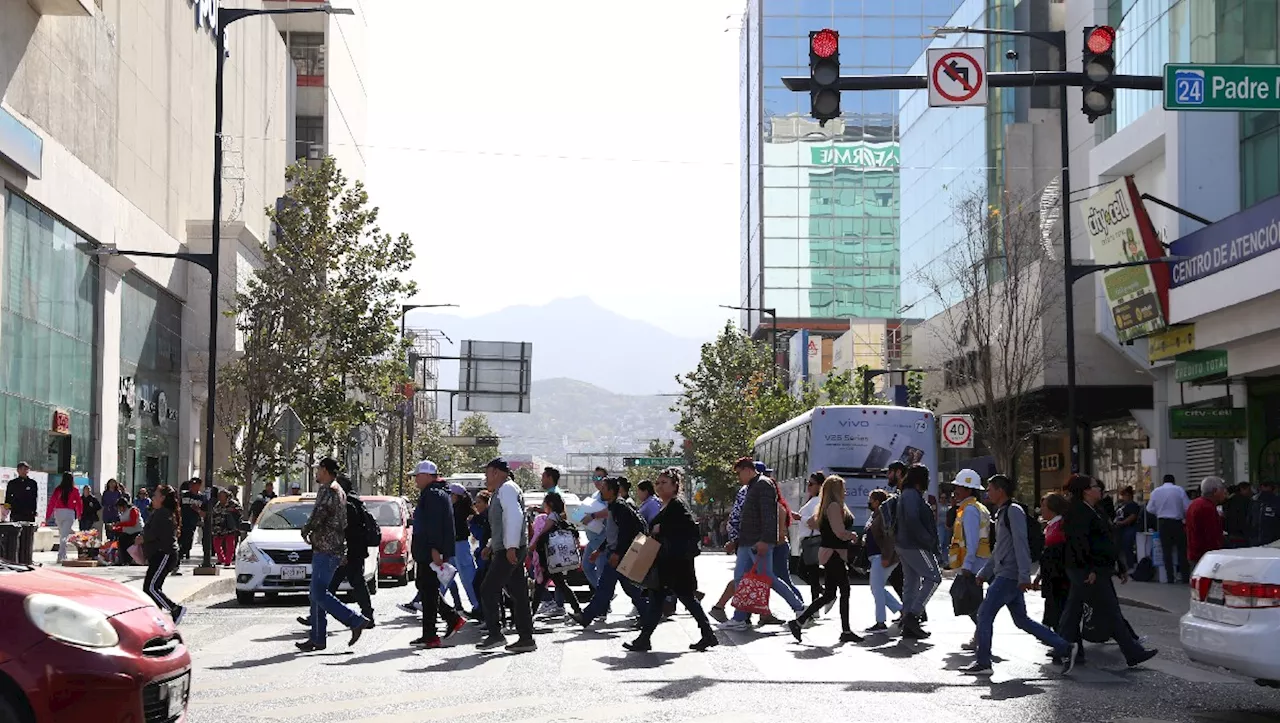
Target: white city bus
855, 442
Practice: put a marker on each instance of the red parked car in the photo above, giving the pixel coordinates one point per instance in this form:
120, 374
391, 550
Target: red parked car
395, 553
76, 648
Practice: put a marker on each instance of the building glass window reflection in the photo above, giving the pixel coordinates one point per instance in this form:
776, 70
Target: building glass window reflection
48, 341
150, 384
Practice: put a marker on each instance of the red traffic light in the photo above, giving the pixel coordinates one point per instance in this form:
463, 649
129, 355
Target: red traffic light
1101, 39
825, 43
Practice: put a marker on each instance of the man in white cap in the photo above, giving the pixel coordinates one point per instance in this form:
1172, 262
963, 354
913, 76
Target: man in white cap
433, 545
970, 539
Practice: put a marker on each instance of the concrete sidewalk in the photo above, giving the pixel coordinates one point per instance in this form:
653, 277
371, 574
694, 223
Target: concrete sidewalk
1158, 596
180, 588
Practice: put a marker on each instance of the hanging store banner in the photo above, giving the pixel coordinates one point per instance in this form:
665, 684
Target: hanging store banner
1120, 232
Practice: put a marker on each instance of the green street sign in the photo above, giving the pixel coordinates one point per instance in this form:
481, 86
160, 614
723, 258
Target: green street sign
1202, 364
1207, 423
1192, 86
653, 461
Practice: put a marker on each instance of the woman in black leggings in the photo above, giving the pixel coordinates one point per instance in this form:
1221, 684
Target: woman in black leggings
160, 545
833, 520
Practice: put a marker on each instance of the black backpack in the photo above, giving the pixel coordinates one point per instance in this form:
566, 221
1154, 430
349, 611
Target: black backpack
372, 533
1035, 534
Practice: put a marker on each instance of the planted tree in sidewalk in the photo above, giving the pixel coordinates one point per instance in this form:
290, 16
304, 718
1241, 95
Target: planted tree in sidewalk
473, 459
346, 281
995, 340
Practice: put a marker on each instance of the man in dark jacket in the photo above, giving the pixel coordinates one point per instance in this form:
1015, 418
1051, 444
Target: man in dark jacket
357, 553
21, 495
260, 502
1235, 515
194, 502
433, 533
1264, 515
915, 532
620, 530
757, 536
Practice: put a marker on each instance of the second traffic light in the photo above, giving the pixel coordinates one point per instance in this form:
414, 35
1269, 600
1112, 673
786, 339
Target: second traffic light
824, 75
1099, 64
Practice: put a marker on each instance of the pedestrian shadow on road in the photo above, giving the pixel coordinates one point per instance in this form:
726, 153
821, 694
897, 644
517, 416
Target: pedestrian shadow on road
814, 652
641, 661
274, 660
282, 636
956, 661
902, 649
1011, 689
468, 662
381, 656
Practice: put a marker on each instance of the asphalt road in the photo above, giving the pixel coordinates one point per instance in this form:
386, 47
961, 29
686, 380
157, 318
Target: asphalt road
246, 669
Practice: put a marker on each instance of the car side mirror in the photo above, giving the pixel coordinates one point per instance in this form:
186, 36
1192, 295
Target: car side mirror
245, 527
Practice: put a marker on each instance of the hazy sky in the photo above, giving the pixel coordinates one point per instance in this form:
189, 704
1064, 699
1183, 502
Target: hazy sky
535, 151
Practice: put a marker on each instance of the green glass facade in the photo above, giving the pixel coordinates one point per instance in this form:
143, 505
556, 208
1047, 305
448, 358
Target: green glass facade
151, 383
48, 340
853, 243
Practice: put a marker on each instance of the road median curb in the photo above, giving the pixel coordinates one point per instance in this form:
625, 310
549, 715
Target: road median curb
1136, 603
221, 585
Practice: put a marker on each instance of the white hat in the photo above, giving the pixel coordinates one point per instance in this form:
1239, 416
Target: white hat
426, 466
968, 479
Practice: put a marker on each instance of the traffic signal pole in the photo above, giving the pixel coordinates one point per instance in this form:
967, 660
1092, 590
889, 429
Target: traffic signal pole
1029, 79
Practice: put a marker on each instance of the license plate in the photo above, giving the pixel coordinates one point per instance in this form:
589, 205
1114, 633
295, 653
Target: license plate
1215, 596
293, 572
174, 694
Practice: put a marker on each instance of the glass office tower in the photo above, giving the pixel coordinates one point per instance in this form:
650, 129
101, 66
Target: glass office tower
820, 209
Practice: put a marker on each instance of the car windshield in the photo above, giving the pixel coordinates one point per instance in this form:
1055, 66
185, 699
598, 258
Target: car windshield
387, 514
287, 516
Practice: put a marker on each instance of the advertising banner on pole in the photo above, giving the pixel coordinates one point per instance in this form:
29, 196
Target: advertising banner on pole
1120, 232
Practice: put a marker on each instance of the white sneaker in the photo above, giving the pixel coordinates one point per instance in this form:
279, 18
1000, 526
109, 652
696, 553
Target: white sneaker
732, 624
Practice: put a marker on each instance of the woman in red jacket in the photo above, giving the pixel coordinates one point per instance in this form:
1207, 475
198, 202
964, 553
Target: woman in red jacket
1204, 524
127, 529
65, 507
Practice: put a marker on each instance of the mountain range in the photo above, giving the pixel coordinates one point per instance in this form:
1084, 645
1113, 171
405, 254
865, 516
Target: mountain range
569, 415
578, 339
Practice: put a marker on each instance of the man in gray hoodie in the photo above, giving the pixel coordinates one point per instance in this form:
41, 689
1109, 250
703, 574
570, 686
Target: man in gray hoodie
916, 537
1009, 570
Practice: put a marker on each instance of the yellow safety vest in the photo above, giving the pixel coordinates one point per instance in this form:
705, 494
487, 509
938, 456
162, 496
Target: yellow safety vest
958, 549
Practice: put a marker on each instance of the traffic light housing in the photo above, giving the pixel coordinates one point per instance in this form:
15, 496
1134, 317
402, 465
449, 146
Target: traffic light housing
1099, 64
824, 75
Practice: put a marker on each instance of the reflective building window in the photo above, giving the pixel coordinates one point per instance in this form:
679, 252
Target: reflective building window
48, 347
150, 373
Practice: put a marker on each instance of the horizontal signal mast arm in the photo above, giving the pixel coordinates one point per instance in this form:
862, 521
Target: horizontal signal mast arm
1021, 79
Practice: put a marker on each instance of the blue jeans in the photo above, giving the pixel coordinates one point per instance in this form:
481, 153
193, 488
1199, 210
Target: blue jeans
782, 561
323, 567
880, 592
747, 559
466, 564
603, 595
593, 569
1003, 592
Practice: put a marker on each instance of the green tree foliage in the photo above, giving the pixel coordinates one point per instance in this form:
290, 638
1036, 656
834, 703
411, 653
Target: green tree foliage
318, 319
732, 398
473, 459
429, 443
529, 478
657, 448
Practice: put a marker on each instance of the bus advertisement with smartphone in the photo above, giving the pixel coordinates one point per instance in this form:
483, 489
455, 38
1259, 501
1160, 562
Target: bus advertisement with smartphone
856, 442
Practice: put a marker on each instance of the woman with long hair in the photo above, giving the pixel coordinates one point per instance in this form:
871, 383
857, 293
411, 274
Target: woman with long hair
1091, 561
677, 534
882, 558
112, 492
160, 545
834, 521
65, 507
90, 509
1052, 581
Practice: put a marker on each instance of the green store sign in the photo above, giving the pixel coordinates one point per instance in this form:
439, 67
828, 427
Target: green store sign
1207, 422
858, 155
1204, 364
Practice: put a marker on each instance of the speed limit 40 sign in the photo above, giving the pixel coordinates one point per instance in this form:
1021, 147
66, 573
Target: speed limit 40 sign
957, 431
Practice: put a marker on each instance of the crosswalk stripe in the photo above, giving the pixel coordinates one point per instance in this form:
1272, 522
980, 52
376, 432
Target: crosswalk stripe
580, 658
328, 707
459, 711
237, 641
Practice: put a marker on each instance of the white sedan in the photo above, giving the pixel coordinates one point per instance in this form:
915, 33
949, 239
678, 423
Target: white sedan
273, 558
1234, 620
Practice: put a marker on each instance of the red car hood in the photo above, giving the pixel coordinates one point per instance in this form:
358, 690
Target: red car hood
111, 597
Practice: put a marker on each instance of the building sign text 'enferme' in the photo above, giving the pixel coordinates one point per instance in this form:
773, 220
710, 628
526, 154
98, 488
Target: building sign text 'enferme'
206, 14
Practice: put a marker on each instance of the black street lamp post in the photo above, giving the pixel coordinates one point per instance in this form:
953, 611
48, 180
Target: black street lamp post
209, 260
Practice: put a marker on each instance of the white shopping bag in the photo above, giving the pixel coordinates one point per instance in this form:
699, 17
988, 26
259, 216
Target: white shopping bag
444, 573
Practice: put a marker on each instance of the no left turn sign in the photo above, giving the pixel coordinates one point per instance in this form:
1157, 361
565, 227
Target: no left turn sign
956, 77
957, 431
